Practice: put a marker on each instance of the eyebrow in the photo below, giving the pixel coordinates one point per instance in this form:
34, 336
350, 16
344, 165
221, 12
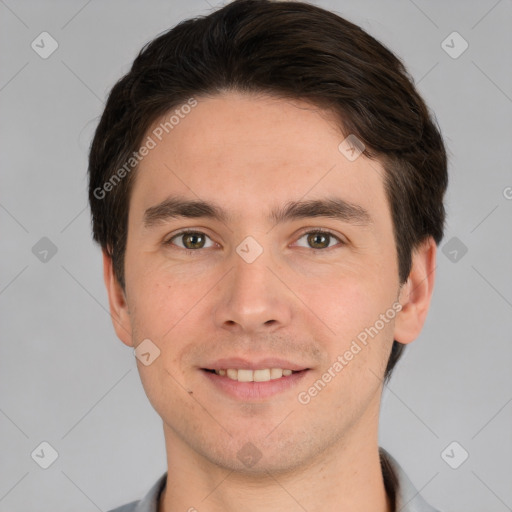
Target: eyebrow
332, 207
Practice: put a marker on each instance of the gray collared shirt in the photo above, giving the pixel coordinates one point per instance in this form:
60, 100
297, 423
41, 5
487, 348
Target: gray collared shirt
403, 494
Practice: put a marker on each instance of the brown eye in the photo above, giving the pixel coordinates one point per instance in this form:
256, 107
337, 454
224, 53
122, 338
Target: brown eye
319, 239
191, 240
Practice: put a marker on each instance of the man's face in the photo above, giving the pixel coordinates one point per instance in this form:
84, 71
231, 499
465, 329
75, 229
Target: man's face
252, 288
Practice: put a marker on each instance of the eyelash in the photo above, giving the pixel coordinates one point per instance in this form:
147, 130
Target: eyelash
168, 242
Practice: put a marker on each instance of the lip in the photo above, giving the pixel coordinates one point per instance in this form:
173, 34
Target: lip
260, 364
254, 391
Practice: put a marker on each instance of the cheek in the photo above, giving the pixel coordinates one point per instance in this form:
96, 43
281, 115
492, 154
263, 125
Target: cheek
348, 313
159, 297
159, 308
346, 303
159, 313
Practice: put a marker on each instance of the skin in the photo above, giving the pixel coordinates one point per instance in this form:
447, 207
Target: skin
250, 153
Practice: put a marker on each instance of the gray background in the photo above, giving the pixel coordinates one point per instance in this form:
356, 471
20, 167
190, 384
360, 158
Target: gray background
64, 376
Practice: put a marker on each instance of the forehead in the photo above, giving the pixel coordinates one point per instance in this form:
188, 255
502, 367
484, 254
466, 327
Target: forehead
247, 151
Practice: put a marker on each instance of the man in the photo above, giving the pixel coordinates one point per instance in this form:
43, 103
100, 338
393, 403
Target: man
267, 188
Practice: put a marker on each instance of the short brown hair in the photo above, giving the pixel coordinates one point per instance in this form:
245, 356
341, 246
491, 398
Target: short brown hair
291, 50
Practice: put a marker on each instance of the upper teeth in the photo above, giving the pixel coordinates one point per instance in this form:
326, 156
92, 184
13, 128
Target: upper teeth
244, 375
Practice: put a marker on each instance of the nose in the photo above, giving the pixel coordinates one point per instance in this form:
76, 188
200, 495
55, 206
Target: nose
254, 297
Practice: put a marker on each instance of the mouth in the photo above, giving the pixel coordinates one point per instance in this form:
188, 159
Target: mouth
253, 385
248, 375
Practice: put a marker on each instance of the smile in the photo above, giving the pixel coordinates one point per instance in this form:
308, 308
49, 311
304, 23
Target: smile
246, 375
246, 384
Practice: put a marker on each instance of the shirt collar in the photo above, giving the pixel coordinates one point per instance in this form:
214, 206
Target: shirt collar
404, 496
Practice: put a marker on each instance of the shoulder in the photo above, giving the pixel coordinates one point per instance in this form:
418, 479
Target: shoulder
149, 503
128, 507
405, 496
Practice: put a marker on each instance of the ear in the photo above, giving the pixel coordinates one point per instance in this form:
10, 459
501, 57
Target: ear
416, 293
117, 300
